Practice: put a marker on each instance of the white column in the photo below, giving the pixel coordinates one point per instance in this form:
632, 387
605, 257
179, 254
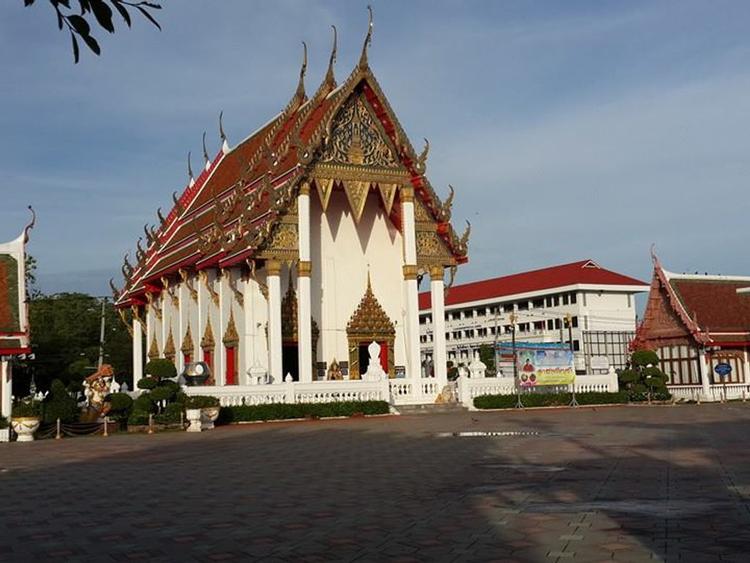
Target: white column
705, 380
247, 343
410, 281
6, 388
149, 327
439, 358
137, 352
165, 303
304, 307
182, 311
221, 358
273, 280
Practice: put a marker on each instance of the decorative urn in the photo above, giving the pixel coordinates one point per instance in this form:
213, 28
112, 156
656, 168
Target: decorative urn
196, 373
24, 427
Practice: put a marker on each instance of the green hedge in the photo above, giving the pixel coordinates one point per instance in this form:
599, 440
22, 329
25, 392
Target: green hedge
549, 399
3, 422
282, 411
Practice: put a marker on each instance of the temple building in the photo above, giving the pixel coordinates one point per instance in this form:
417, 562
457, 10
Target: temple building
291, 252
14, 316
699, 325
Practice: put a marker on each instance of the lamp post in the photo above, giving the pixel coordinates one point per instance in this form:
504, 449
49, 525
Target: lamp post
569, 323
519, 404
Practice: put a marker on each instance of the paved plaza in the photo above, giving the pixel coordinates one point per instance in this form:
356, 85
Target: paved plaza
619, 483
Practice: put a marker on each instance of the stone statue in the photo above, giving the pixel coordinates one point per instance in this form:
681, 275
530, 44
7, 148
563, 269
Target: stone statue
97, 386
334, 372
374, 369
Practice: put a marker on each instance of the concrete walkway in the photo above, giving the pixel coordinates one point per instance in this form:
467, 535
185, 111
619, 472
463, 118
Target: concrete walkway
620, 483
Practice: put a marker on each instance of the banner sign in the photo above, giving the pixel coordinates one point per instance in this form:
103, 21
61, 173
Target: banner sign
548, 363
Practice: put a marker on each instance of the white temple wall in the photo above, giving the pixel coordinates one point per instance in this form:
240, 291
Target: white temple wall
342, 253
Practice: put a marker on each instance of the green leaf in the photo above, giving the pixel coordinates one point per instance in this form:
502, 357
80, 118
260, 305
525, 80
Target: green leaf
76, 53
123, 12
80, 25
148, 16
103, 14
92, 44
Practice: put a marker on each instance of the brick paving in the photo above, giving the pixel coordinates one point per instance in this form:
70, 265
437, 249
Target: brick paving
624, 484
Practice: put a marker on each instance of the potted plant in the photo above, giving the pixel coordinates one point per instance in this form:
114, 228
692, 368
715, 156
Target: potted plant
25, 419
204, 409
4, 430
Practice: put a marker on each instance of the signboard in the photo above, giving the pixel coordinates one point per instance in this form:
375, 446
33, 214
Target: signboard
723, 369
599, 362
548, 363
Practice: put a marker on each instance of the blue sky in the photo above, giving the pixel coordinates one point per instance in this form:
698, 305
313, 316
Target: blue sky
570, 130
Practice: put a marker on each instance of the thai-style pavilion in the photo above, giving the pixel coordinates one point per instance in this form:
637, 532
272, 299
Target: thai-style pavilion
14, 320
699, 325
294, 250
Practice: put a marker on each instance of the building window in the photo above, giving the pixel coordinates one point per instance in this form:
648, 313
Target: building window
612, 344
523, 305
550, 324
538, 303
557, 324
576, 346
508, 308
565, 299
574, 322
573, 298
538, 325
680, 363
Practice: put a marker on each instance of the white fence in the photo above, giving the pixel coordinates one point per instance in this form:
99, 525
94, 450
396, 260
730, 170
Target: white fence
716, 393
470, 388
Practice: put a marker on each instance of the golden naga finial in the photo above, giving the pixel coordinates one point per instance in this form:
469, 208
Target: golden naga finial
161, 217
113, 287
446, 208
368, 39
139, 253
300, 94
177, 204
127, 269
190, 169
330, 77
464, 241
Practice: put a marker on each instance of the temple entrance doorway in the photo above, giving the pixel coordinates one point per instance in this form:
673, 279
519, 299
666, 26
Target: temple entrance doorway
369, 323
290, 360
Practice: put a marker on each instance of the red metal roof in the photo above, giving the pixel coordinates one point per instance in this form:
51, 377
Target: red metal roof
584, 272
715, 304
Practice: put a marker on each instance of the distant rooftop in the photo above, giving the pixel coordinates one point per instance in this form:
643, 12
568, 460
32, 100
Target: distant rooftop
584, 272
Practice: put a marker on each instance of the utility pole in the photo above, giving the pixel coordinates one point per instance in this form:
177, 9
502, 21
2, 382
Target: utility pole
497, 314
101, 333
519, 404
569, 323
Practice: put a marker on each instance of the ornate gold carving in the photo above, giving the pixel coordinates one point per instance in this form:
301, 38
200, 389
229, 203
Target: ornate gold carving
251, 274
356, 137
369, 322
304, 188
356, 193
208, 342
284, 238
273, 267
136, 311
421, 216
203, 274
185, 275
304, 268
169, 348
123, 317
431, 249
388, 194
289, 320
437, 273
152, 305
232, 283
188, 346
410, 271
171, 291
325, 189
231, 338
153, 350
407, 194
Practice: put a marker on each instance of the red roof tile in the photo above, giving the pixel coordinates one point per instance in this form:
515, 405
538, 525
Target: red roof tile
583, 272
714, 304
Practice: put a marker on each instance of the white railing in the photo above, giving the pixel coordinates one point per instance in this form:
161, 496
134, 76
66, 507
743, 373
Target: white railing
295, 392
470, 388
716, 393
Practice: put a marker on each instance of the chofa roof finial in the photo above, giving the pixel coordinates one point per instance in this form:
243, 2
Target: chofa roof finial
190, 171
330, 77
30, 225
368, 39
205, 153
224, 142
300, 94
654, 257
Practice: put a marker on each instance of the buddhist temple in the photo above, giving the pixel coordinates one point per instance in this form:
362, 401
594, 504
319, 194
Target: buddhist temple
699, 325
292, 251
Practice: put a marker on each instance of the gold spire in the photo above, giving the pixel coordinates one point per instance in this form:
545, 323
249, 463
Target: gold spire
330, 78
300, 94
188, 346
169, 349
231, 338
208, 342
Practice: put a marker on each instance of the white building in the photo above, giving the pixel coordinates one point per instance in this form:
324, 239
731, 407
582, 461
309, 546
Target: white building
598, 303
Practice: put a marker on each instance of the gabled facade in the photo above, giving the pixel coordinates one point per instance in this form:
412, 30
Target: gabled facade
268, 254
698, 325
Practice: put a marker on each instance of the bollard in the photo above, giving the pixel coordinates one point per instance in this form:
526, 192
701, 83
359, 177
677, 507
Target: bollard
743, 395
105, 427
58, 435
150, 423
182, 420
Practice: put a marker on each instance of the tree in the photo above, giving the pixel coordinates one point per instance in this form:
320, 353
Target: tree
643, 375
95, 12
487, 355
32, 292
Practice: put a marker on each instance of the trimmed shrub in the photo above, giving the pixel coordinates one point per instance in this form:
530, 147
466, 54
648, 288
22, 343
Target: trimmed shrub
549, 399
138, 418
120, 404
26, 408
3, 423
144, 403
161, 368
161, 393
281, 411
170, 415
201, 402
59, 404
147, 383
